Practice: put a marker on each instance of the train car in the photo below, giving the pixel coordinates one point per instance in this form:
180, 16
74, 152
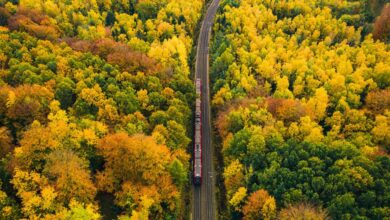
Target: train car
198, 136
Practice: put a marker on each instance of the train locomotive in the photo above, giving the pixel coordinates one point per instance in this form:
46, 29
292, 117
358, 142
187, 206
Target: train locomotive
197, 178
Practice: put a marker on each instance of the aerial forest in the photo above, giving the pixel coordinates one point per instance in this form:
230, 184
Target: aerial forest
97, 108
301, 98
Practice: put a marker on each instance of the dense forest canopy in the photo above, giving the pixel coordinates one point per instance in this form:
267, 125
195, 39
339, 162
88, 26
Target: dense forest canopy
302, 97
95, 103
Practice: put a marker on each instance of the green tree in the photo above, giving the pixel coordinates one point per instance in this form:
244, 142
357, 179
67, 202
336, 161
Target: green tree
178, 173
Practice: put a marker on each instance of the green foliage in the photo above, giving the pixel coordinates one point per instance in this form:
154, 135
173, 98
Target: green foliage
178, 173
65, 92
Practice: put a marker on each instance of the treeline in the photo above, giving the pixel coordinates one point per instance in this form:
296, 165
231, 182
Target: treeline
95, 102
302, 100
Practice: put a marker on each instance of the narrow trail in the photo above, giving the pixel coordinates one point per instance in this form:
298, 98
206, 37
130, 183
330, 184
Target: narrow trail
204, 204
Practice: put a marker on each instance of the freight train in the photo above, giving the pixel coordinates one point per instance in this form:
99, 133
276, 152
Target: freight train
197, 178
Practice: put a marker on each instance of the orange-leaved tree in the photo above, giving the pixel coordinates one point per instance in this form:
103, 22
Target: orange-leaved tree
260, 205
135, 169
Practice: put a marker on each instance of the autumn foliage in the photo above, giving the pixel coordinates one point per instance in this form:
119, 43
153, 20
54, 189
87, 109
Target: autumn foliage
34, 22
96, 99
117, 53
303, 211
136, 168
382, 25
95, 108
378, 101
25, 103
285, 109
260, 205
5, 141
300, 92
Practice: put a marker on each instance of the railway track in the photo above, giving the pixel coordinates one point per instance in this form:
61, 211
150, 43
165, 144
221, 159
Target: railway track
204, 205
